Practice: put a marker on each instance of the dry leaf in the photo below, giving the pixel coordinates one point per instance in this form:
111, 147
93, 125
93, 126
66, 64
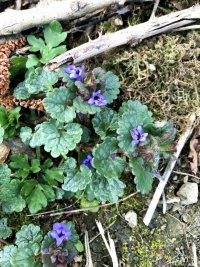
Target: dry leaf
194, 151
4, 152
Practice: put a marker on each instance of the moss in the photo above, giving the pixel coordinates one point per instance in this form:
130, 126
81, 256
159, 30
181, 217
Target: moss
149, 249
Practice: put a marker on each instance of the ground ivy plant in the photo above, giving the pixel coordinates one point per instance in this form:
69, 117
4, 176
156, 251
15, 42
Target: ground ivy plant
32, 248
84, 147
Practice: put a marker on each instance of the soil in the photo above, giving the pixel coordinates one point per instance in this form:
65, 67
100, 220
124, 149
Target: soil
171, 90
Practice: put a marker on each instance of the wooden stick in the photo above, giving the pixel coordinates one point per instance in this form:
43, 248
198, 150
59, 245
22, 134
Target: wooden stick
54, 213
15, 21
131, 35
170, 166
153, 14
110, 247
89, 262
194, 251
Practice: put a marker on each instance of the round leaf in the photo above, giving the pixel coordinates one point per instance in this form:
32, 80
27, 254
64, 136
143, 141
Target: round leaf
56, 103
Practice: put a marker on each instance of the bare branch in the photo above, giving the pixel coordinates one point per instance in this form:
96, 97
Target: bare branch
131, 35
153, 14
15, 21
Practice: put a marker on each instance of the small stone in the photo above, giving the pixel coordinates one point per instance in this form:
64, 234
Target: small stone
152, 67
118, 22
188, 193
131, 218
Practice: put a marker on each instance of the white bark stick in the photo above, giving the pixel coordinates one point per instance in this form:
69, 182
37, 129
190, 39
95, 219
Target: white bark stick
131, 35
15, 21
170, 166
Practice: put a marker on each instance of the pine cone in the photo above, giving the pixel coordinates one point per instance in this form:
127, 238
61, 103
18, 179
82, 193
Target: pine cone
30, 103
5, 50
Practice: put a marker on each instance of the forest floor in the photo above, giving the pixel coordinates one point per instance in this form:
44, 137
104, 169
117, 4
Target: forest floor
163, 73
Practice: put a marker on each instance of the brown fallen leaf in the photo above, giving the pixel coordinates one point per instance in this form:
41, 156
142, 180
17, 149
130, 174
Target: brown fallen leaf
194, 151
4, 152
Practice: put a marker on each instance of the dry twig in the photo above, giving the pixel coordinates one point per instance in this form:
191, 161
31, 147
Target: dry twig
194, 250
15, 21
170, 166
89, 262
53, 213
110, 247
131, 35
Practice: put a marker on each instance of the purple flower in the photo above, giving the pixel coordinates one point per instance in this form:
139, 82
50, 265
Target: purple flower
138, 135
88, 161
135, 154
97, 99
60, 233
75, 73
113, 156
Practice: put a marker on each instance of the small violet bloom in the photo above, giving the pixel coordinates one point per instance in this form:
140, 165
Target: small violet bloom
88, 161
97, 99
60, 233
75, 73
113, 156
138, 135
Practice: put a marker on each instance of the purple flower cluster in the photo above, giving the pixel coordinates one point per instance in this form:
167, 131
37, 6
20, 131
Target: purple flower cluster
60, 233
88, 161
97, 99
138, 135
75, 73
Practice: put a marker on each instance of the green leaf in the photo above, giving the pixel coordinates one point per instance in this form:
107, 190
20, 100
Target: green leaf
105, 189
79, 246
37, 44
32, 61
104, 162
26, 256
111, 87
49, 53
53, 176
5, 173
21, 164
5, 231
56, 137
40, 80
53, 34
10, 197
68, 165
104, 121
57, 104
21, 92
82, 106
128, 121
35, 165
28, 234
25, 134
18, 66
143, 177
28, 187
1, 134
3, 117
6, 255
136, 106
46, 165
39, 197
87, 204
77, 180
86, 135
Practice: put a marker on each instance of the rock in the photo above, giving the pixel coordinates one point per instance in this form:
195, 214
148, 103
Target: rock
131, 218
188, 193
